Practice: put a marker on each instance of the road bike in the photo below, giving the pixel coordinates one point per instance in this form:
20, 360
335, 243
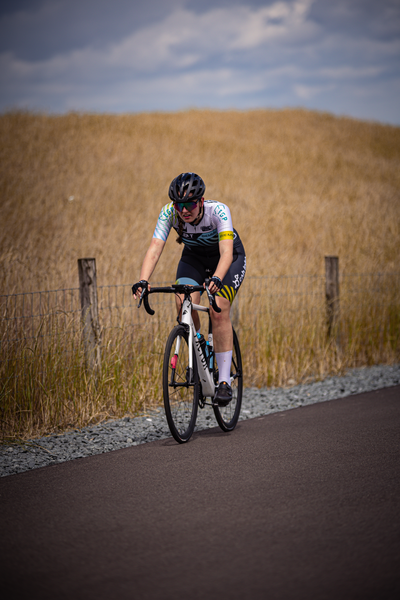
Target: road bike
190, 371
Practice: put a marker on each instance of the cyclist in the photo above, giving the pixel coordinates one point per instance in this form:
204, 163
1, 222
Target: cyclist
210, 242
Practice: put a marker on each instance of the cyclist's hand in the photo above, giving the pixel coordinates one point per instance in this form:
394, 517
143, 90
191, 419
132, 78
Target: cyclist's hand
138, 287
215, 284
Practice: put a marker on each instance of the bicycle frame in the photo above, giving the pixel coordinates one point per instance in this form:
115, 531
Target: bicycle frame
205, 375
184, 392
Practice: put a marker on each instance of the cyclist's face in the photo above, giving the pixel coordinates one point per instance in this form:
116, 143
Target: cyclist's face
189, 211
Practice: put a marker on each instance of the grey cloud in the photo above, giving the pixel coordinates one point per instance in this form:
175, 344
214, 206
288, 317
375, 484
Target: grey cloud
39, 29
127, 56
359, 17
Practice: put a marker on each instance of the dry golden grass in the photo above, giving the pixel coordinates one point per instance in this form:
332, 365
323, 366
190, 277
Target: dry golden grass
300, 185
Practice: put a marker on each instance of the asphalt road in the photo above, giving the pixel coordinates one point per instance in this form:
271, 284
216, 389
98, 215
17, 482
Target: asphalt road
298, 504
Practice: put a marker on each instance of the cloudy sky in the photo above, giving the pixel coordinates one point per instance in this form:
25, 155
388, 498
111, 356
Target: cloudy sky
341, 56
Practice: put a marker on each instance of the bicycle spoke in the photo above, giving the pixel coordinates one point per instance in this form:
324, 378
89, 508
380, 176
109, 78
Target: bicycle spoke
180, 394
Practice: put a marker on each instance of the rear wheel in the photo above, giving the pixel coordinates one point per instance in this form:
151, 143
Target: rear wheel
228, 416
181, 387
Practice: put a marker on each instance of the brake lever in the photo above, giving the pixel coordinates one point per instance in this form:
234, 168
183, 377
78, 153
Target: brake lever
142, 295
212, 300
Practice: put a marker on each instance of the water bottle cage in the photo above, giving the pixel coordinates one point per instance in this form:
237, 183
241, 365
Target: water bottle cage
208, 351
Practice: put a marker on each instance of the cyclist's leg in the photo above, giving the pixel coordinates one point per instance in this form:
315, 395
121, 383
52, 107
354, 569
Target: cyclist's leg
222, 326
223, 343
234, 277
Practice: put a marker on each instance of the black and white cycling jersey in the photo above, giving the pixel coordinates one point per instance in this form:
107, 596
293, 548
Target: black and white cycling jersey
215, 225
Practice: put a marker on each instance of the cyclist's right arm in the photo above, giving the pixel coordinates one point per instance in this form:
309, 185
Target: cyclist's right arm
164, 223
150, 261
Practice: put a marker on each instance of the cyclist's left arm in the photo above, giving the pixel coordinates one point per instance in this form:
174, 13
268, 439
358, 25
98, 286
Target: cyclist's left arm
223, 219
225, 261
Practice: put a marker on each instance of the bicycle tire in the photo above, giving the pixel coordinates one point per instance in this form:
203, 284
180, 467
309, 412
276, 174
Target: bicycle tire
180, 394
228, 416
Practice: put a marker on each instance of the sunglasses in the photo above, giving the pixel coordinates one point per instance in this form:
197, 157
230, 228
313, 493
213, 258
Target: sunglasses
188, 205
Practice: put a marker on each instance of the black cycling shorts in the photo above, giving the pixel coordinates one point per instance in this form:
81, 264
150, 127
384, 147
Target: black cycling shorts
192, 270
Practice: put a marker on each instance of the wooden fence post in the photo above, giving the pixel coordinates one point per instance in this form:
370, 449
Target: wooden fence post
332, 294
90, 314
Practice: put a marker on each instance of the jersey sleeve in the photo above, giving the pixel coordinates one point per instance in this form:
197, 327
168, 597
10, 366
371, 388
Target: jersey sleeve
222, 216
164, 222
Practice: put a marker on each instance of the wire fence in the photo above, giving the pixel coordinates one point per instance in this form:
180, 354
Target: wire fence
281, 321
27, 318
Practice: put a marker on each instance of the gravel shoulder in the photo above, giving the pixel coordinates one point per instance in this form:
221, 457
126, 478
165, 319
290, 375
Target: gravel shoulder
126, 432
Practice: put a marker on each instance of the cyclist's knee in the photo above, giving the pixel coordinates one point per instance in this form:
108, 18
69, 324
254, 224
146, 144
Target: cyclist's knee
225, 307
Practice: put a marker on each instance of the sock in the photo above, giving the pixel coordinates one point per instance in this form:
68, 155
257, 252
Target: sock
224, 360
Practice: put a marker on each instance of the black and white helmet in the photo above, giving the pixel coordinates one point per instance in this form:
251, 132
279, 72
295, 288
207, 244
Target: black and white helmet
185, 185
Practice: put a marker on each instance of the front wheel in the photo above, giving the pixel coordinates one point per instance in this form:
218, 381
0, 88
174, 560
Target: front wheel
228, 416
180, 386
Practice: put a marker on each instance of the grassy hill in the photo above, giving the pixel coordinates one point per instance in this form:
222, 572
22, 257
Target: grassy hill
300, 185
